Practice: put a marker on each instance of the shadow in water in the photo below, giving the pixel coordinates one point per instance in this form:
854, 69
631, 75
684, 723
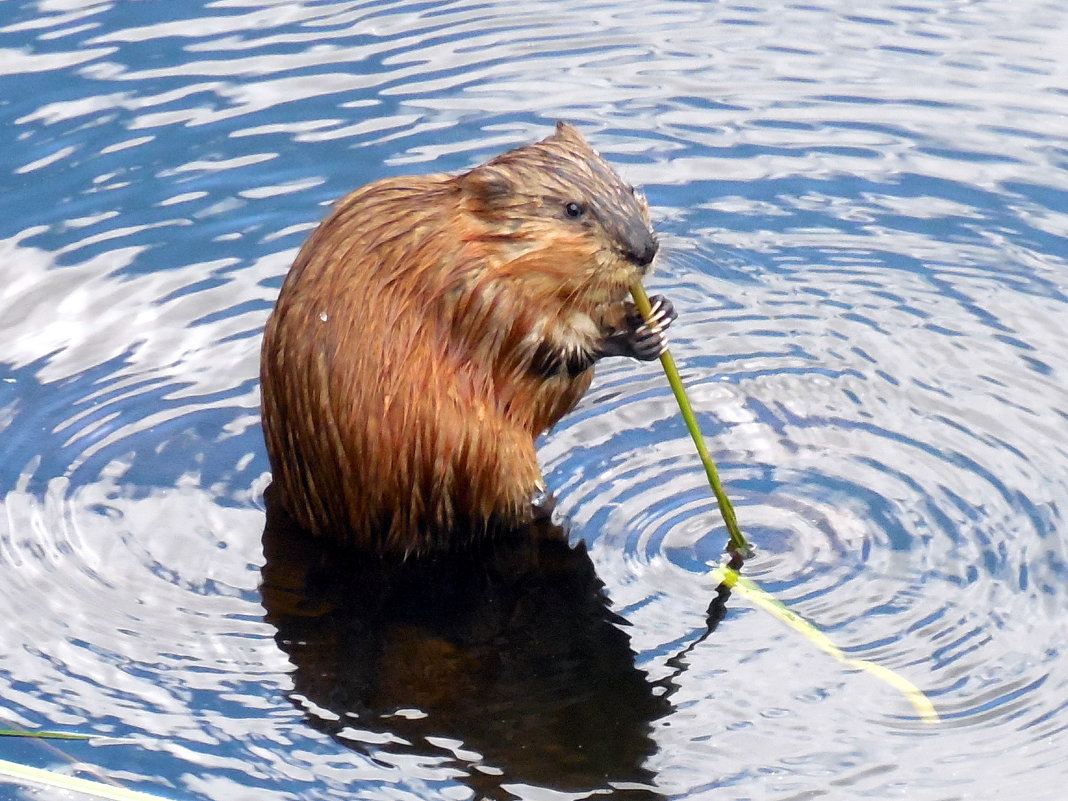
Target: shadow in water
509, 649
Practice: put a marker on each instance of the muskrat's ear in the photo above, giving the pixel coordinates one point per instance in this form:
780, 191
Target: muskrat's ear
568, 132
486, 183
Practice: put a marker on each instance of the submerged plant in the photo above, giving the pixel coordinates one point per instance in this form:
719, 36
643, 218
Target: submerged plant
729, 577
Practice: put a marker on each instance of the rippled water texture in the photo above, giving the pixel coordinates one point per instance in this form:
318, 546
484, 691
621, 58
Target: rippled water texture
864, 210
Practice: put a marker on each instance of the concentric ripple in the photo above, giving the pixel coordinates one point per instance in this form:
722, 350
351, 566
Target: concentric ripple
885, 465
864, 227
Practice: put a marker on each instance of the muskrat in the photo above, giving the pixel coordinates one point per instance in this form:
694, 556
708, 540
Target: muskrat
433, 326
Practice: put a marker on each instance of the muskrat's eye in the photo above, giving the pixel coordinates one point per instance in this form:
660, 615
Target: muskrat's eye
573, 210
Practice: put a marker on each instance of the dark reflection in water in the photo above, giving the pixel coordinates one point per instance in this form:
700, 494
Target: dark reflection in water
507, 658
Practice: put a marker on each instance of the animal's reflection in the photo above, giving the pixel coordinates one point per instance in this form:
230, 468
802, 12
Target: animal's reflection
510, 650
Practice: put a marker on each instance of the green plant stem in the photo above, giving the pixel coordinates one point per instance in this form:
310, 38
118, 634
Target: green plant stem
61, 781
46, 735
738, 543
728, 576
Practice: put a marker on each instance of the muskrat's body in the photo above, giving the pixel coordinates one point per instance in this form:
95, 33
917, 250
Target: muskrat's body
432, 327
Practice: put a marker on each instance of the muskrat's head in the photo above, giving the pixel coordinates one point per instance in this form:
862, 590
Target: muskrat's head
559, 219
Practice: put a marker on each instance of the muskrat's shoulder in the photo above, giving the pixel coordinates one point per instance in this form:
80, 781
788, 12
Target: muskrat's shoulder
368, 218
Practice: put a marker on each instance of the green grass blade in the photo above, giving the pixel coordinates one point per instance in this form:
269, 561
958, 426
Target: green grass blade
47, 735
751, 591
24, 773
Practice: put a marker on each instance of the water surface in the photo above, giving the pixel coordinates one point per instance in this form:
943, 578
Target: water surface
864, 214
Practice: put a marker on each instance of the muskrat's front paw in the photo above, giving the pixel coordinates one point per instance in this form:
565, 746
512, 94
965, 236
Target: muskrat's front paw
646, 338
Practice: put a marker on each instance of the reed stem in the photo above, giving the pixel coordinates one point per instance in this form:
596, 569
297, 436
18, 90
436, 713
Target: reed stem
738, 543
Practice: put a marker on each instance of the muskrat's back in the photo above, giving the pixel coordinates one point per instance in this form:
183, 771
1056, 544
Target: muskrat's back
432, 327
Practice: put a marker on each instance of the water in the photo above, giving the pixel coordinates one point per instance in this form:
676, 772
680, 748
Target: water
864, 211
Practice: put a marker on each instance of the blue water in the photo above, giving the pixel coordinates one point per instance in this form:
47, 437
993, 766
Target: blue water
864, 215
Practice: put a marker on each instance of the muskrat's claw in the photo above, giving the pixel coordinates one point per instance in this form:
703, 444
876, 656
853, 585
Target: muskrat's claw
646, 338
638, 338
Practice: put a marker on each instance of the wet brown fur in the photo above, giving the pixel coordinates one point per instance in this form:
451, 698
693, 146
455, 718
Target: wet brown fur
400, 401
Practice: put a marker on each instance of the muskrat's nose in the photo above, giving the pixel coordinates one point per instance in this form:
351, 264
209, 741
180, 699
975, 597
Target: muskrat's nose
642, 247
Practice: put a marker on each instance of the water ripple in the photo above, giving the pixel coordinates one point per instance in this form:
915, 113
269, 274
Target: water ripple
873, 456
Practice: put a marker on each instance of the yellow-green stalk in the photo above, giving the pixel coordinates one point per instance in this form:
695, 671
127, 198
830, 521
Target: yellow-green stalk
728, 576
739, 545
